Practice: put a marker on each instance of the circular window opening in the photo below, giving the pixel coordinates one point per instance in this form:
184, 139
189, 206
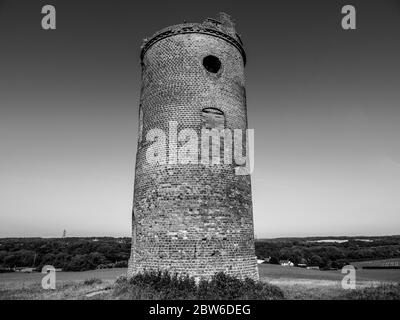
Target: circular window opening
212, 64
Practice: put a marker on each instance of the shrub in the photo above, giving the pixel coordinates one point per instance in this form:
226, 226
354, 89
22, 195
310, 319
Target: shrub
156, 285
5, 270
159, 285
225, 287
121, 264
92, 281
118, 264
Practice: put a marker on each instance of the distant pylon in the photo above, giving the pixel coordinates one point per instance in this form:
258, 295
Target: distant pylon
64, 233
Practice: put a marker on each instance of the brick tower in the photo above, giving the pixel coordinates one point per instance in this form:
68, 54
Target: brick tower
192, 218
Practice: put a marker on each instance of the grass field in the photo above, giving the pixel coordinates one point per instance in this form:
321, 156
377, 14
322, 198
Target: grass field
275, 272
69, 285
380, 263
17, 279
297, 283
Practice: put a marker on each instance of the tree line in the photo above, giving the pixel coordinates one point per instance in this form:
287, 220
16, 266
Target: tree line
80, 254
328, 255
69, 254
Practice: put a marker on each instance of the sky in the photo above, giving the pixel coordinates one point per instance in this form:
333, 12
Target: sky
324, 104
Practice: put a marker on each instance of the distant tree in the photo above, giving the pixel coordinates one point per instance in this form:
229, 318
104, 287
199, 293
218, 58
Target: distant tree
316, 260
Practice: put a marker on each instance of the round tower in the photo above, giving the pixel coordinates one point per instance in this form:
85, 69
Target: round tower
192, 217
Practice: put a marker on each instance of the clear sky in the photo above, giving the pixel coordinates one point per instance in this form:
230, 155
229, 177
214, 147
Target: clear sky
324, 103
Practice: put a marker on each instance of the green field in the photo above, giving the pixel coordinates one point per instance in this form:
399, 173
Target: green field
297, 283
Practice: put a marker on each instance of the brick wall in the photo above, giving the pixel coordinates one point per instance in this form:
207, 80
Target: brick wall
192, 219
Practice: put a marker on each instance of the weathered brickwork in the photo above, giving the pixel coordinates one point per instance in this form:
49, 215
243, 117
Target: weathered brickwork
192, 219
